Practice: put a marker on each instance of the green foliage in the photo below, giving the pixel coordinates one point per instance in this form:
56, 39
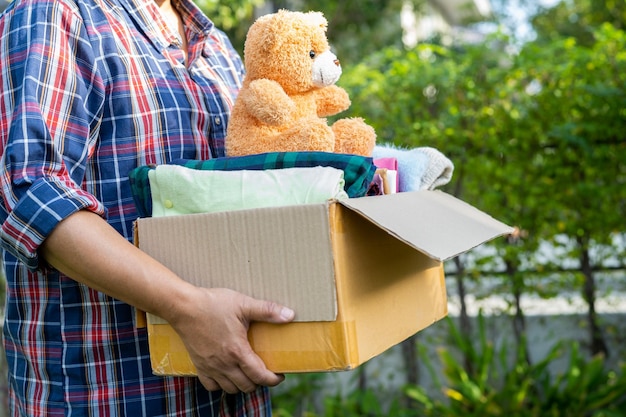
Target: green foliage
233, 17
298, 398
304, 397
504, 384
361, 403
357, 28
537, 138
563, 383
537, 141
577, 19
228, 16
579, 108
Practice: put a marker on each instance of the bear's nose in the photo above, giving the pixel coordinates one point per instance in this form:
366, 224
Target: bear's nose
336, 61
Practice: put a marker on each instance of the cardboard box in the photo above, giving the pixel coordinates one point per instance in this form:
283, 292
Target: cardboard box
362, 274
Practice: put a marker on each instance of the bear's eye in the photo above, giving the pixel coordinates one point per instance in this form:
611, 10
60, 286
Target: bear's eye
312, 54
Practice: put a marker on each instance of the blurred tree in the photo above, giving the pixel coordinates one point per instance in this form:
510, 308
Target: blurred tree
580, 158
234, 17
537, 138
448, 99
577, 19
357, 28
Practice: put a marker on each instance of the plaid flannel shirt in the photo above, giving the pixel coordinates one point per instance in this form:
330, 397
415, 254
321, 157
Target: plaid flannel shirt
89, 90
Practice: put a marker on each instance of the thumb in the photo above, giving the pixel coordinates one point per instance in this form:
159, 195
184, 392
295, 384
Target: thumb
267, 311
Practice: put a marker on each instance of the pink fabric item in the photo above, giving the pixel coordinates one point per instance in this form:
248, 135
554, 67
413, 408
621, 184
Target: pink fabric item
391, 164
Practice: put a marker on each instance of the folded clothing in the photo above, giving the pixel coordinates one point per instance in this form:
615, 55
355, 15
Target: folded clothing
422, 168
180, 190
358, 171
390, 165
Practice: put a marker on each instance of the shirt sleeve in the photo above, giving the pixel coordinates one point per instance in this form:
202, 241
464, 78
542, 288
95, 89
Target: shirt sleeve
50, 98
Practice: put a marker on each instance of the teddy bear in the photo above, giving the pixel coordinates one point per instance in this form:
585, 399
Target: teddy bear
289, 90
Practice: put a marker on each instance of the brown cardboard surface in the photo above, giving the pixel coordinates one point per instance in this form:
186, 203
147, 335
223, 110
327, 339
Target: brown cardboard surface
245, 251
433, 222
362, 275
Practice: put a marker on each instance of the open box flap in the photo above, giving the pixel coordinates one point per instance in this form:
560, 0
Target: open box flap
433, 222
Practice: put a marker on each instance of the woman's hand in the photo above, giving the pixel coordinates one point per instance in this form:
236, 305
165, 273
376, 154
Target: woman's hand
215, 334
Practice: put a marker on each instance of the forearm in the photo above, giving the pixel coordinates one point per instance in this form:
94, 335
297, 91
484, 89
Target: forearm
212, 323
87, 249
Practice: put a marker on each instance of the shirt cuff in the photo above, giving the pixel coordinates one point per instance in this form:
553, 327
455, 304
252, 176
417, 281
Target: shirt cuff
47, 202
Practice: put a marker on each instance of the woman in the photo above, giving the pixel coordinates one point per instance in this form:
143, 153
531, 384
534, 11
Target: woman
90, 89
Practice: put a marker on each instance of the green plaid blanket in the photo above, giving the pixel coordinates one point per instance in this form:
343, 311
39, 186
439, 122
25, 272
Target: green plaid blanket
358, 171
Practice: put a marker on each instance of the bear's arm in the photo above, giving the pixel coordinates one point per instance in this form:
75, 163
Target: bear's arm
267, 101
331, 100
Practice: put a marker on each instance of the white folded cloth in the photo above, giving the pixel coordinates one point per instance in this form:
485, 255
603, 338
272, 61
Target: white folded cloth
422, 168
180, 190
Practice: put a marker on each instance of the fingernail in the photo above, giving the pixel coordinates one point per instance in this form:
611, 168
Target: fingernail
287, 313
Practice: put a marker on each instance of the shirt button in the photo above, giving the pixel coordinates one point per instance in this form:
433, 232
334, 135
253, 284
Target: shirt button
218, 121
168, 204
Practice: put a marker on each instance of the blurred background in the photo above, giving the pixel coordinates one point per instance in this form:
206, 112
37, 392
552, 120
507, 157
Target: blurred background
528, 100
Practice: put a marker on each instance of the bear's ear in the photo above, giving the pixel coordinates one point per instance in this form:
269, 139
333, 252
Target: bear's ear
316, 19
271, 31
262, 34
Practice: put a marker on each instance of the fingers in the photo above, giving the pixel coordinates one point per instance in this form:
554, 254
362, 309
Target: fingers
234, 383
216, 338
245, 379
241, 372
209, 383
254, 368
266, 311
